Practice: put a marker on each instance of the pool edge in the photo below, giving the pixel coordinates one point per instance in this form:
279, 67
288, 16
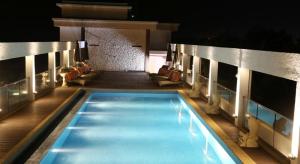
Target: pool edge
242, 155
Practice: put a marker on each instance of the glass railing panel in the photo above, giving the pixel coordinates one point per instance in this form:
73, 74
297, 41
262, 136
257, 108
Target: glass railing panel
285, 126
23, 96
59, 79
13, 95
266, 115
223, 92
260, 112
275, 120
203, 80
3, 101
41, 81
228, 97
204, 87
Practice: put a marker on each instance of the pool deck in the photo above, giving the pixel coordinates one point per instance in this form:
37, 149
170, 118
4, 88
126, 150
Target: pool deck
16, 127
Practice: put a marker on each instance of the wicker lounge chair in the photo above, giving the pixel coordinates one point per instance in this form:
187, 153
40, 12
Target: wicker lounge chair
174, 78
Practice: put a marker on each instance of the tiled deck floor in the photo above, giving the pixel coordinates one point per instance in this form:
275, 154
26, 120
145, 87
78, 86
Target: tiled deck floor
14, 128
127, 80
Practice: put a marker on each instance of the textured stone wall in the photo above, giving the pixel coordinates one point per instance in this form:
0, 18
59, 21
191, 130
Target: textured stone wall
116, 49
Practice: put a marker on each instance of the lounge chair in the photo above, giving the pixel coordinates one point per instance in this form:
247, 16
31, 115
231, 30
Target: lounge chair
82, 74
83, 79
158, 78
79, 81
163, 73
174, 78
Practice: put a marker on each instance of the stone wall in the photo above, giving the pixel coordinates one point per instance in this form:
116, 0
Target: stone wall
116, 49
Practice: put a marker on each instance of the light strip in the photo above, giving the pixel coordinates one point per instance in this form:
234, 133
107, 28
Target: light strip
66, 58
54, 66
296, 124
210, 79
193, 73
33, 74
237, 97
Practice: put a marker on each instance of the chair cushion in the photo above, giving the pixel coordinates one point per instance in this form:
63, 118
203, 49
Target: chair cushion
163, 71
72, 75
175, 76
81, 70
165, 66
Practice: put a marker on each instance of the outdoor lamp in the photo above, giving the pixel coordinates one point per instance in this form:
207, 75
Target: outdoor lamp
63, 71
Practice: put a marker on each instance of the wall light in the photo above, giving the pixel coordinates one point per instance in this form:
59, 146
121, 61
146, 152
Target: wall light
237, 102
16, 94
69, 45
296, 125
209, 80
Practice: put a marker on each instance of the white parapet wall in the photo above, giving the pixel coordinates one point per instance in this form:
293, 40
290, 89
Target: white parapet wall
22, 49
29, 50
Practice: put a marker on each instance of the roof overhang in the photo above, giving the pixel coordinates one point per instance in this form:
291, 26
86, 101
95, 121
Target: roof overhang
93, 6
94, 10
115, 24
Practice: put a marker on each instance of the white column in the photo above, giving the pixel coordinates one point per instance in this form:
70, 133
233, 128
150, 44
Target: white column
212, 79
295, 154
185, 63
195, 92
196, 70
52, 69
243, 88
30, 75
61, 56
66, 58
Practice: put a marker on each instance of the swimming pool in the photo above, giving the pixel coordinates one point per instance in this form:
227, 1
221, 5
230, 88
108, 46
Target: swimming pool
140, 127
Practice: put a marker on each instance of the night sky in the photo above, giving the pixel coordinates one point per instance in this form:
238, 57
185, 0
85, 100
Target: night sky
30, 20
255, 25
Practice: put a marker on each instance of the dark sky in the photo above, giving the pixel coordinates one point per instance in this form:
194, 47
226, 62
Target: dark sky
31, 20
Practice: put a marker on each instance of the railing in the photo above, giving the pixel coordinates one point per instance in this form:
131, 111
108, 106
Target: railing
58, 77
12, 96
277, 121
42, 81
204, 82
229, 96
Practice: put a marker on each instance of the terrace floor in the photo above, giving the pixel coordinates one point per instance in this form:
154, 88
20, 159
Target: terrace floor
14, 128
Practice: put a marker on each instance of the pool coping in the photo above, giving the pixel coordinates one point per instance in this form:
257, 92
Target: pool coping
35, 132
50, 140
243, 156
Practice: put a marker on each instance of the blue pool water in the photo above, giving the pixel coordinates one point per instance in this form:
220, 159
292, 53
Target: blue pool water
138, 128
